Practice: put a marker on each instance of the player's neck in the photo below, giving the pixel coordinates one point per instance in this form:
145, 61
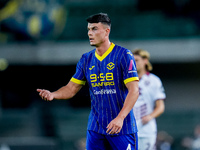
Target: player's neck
100, 50
141, 73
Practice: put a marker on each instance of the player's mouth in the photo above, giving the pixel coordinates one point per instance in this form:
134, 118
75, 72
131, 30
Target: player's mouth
91, 39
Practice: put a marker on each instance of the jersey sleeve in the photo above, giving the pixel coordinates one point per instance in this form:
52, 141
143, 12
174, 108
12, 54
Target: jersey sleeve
129, 67
79, 76
159, 92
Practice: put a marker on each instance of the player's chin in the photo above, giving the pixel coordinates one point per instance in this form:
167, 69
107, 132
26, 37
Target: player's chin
92, 44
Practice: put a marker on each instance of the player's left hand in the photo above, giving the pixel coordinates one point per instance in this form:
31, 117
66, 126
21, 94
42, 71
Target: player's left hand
115, 126
146, 119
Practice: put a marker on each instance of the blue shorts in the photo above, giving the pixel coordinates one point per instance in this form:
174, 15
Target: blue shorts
96, 141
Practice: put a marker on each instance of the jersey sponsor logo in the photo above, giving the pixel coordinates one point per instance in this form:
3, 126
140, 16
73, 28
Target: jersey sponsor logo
132, 71
110, 66
131, 67
102, 79
91, 67
129, 147
102, 84
106, 91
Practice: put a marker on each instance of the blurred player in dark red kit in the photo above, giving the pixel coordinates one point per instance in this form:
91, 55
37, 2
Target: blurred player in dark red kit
150, 103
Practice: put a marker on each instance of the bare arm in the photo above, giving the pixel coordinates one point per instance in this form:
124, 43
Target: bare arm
116, 124
158, 110
65, 92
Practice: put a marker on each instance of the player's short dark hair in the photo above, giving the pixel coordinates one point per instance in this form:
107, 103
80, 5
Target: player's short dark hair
100, 17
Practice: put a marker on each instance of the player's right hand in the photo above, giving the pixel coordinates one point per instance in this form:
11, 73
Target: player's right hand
45, 94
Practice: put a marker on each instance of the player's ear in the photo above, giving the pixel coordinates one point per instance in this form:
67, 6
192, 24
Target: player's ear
107, 31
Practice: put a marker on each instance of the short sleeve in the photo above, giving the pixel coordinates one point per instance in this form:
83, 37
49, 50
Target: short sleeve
159, 92
79, 76
129, 67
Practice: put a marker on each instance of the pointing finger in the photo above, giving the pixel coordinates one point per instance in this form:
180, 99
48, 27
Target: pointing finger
39, 90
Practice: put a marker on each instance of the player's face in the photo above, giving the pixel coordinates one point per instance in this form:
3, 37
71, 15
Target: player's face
140, 63
97, 33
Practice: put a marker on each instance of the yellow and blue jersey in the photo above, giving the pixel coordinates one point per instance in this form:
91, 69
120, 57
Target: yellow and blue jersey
106, 76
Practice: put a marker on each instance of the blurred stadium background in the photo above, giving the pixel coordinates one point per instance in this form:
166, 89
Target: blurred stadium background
42, 40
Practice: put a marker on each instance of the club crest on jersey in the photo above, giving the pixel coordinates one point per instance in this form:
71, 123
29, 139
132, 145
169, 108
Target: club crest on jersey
110, 66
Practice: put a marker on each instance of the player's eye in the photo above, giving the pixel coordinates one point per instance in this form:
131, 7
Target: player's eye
95, 28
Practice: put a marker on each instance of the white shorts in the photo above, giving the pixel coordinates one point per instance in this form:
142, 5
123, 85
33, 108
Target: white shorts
147, 143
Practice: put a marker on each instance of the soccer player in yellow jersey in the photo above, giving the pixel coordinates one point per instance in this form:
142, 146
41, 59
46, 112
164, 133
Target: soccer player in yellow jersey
111, 74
